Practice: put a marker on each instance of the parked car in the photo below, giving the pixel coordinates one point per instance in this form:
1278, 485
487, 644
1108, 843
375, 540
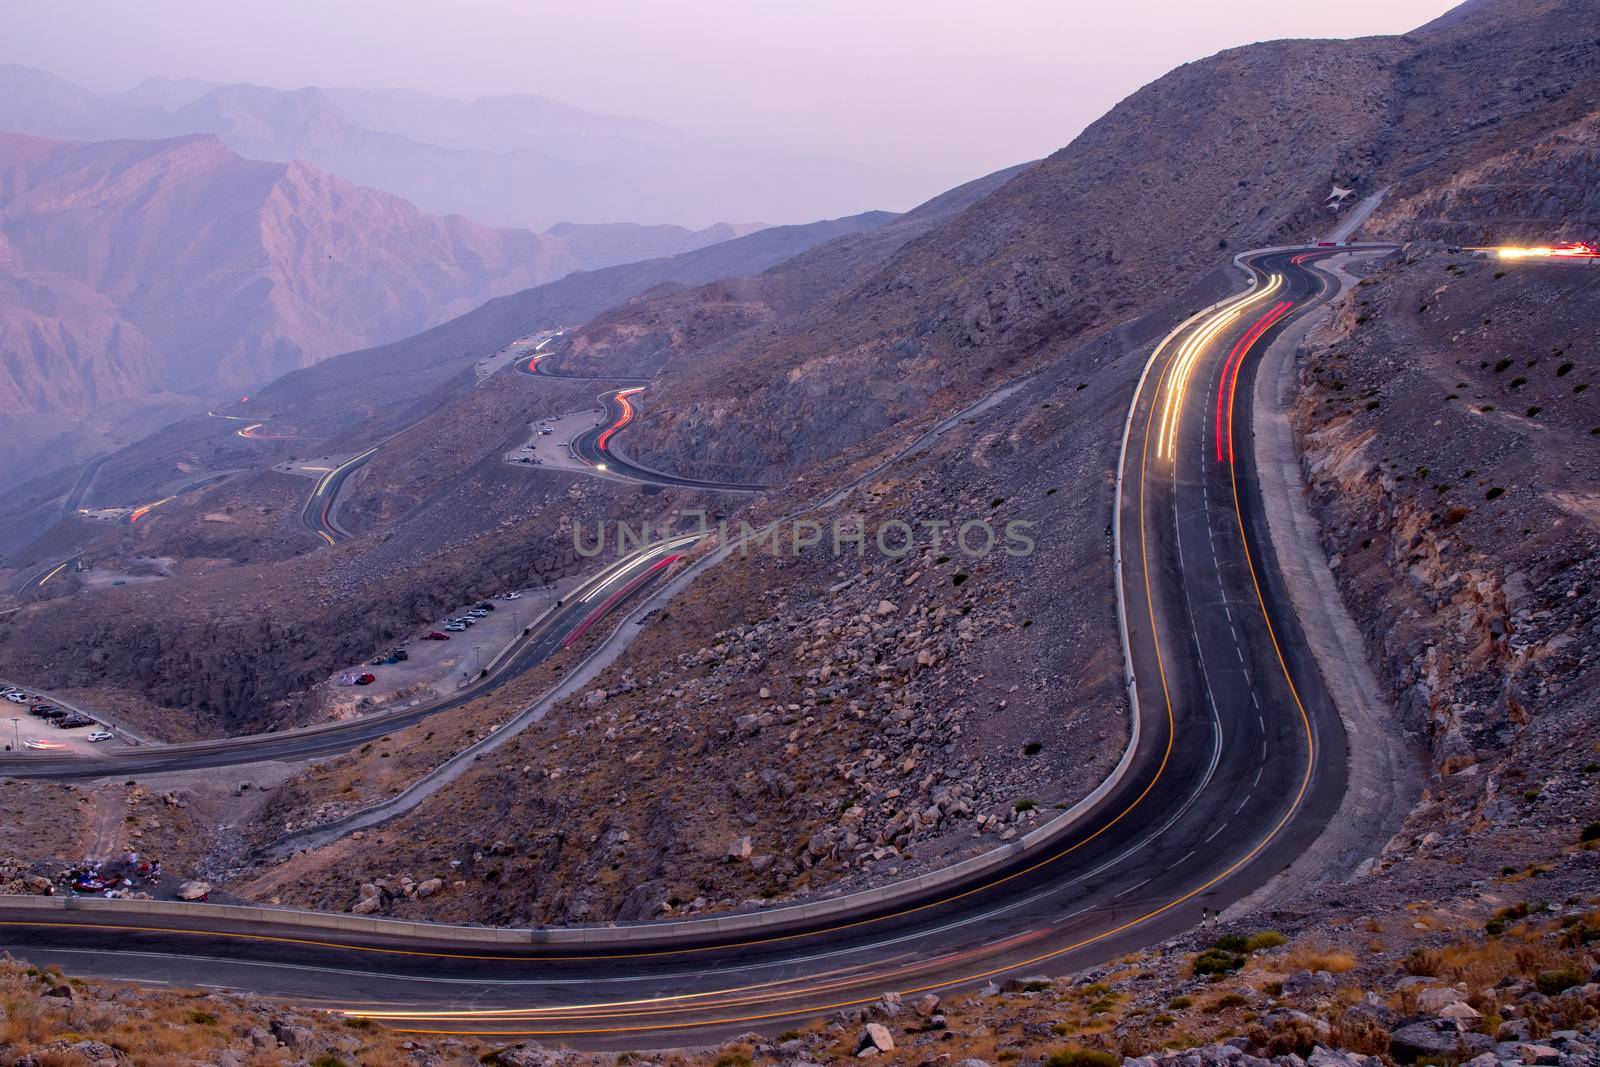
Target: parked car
546, 431
72, 722
100, 735
486, 606
40, 709
17, 698
366, 679
435, 635
400, 655
454, 628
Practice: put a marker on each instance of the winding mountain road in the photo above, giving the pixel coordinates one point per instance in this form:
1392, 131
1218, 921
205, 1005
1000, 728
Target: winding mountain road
319, 515
1238, 763
595, 448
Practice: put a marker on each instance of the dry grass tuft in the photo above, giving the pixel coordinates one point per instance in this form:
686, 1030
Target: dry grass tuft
1312, 958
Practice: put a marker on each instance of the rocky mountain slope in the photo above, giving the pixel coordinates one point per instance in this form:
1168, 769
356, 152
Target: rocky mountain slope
1234, 151
638, 337
414, 377
708, 770
518, 160
801, 724
835, 349
195, 269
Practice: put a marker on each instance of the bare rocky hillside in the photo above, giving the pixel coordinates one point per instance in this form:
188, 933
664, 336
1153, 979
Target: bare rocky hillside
1230, 152
474, 526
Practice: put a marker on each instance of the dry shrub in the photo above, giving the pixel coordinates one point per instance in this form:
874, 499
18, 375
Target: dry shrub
24, 1021
1422, 962
1287, 1035
58, 1058
1319, 959
1359, 1033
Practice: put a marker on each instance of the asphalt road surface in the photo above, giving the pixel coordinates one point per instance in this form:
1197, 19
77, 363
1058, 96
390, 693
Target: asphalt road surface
538, 365
319, 513
1240, 762
74, 499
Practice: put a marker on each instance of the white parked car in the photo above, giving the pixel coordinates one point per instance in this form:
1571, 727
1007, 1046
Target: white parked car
16, 698
101, 735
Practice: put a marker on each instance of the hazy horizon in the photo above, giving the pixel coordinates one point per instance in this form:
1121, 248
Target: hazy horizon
932, 90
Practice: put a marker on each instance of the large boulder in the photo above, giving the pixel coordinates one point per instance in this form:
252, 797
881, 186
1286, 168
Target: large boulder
1436, 1038
875, 1038
1434, 1001
195, 890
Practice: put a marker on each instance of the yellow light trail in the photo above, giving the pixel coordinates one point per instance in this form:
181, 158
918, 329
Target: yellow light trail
1575, 250
739, 995
53, 572
1188, 355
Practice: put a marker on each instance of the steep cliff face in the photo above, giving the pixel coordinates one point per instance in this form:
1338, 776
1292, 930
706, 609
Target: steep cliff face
134, 266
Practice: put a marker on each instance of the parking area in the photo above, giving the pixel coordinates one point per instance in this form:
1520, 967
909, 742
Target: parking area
548, 442
442, 657
34, 721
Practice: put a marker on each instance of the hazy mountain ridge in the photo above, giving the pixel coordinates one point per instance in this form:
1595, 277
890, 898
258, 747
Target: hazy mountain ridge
337, 398
520, 160
136, 272
233, 270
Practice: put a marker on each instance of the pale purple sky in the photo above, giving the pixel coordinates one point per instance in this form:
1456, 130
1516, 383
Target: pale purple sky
950, 89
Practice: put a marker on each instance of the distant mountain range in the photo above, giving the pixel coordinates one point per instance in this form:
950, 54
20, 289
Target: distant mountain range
140, 272
509, 160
